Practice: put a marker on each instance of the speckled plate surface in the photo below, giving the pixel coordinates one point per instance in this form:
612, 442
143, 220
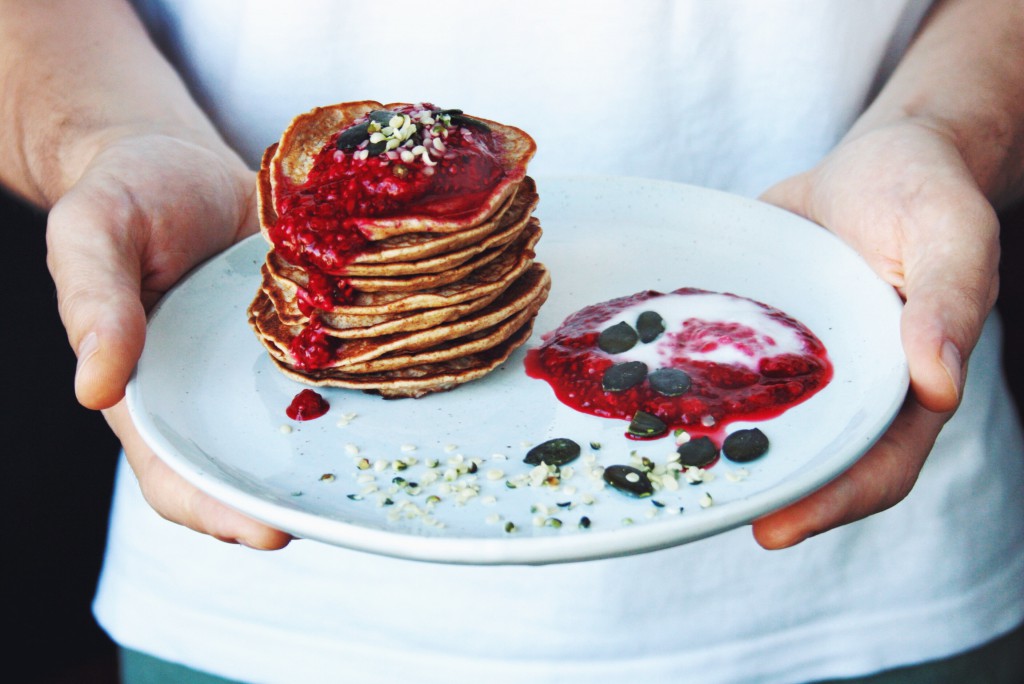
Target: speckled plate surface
206, 397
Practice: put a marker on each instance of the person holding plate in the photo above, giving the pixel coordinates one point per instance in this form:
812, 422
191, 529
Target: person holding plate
899, 126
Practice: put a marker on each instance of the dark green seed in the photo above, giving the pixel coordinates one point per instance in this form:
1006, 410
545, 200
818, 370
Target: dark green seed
671, 382
351, 137
646, 426
376, 148
649, 325
617, 338
449, 112
697, 453
584, 523
657, 504
623, 376
382, 116
619, 477
745, 445
469, 122
556, 452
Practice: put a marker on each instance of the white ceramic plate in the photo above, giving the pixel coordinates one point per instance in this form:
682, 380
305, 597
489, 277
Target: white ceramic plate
206, 397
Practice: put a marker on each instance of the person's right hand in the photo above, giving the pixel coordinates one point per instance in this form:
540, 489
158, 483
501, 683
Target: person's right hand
147, 209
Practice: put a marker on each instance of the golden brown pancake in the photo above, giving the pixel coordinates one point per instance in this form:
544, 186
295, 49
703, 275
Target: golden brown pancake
418, 381
310, 132
531, 288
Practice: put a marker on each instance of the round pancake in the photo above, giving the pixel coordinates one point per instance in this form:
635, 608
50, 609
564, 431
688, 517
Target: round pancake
506, 232
291, 162
413, 247
532, 287
418, 381
375, 326
490, 279
524, 243
452, 349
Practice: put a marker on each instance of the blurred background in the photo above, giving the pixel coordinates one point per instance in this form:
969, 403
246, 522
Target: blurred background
59, 464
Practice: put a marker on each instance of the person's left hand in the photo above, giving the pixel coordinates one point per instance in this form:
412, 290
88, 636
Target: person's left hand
903, 197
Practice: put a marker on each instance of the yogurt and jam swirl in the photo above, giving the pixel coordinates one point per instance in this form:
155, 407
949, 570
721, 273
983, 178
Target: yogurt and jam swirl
711, 359
408, 160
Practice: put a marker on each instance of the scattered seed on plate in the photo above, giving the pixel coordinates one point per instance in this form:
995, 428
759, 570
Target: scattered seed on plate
556, 452
649, 325
737, 475
285, 429
705, 501
351, 449
694, 475
628, 480
584, 523
697, 453
744, 446
618, 338
327, 477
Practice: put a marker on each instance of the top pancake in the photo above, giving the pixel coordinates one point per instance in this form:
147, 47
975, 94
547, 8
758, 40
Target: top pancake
290, 163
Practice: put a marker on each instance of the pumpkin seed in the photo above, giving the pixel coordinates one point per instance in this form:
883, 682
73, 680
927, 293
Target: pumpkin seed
556, 452
745, 445
628, 480
382, 116
649, 325
351, 137
697, 453
671, 382
617, 338
646, 426
622, 376
469, 122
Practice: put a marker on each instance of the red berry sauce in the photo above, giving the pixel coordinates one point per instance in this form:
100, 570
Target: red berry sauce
752, 362
307, 405
318, 221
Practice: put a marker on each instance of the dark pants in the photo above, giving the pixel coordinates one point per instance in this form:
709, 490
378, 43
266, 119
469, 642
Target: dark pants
998, 662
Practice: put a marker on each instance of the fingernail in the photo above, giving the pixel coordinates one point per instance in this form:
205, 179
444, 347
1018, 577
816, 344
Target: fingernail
953, 363
86, 349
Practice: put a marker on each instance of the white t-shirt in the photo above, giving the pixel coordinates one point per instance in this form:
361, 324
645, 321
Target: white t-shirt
733, 95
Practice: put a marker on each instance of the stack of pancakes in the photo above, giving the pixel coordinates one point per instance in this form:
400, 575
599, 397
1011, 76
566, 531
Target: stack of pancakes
433, 299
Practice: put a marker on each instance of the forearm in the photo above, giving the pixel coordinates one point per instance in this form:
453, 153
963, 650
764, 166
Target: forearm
964, 76
75, 75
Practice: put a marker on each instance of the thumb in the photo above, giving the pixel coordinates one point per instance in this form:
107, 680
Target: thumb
95, 265
950, 287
